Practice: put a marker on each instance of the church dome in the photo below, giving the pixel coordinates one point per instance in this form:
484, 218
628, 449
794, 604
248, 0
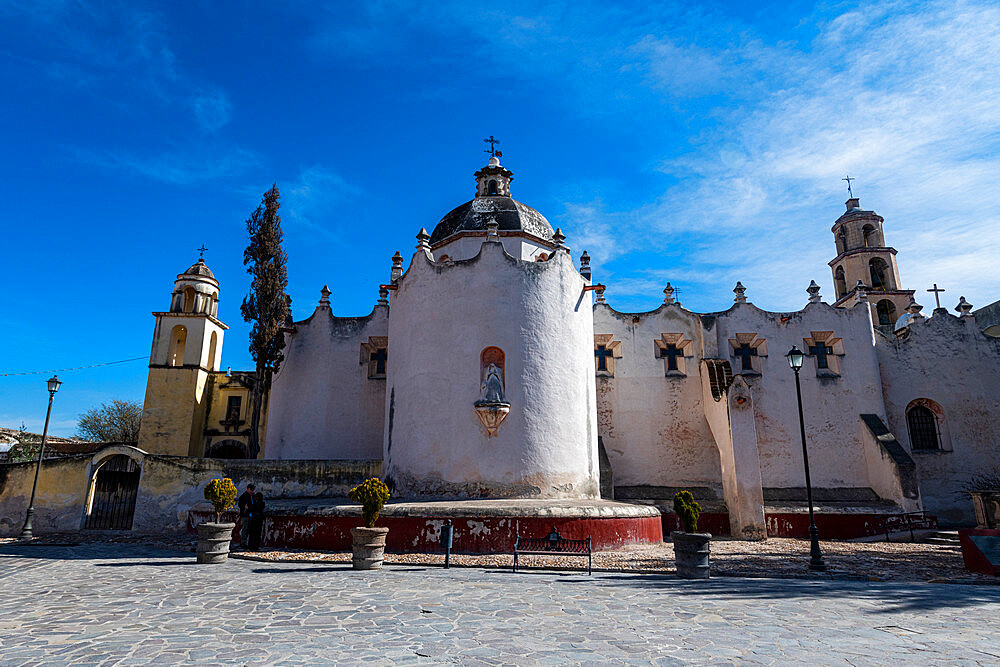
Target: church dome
511, 215
199, 268
493, 202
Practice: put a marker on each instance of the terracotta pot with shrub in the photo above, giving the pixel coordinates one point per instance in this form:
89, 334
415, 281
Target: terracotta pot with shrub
214, 538
691, 548
369, 542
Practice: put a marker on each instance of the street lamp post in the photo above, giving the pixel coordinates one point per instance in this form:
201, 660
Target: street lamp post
795, 358
53, 384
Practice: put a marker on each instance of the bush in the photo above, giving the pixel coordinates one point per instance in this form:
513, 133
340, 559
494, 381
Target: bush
222, 494
688, 511
372, 494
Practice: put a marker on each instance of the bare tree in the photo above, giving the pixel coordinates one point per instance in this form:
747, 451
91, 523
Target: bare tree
267, 304
117, 421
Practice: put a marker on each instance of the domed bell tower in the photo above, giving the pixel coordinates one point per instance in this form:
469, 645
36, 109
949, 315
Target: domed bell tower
187, 349
865, 263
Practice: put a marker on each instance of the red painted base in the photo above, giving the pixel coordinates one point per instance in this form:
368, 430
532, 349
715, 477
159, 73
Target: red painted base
973, 557
471, 535
787, 524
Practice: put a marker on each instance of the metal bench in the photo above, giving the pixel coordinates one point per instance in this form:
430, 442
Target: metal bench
907, 520
553, 544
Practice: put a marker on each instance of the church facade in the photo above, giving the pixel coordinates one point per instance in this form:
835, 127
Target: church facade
493, 366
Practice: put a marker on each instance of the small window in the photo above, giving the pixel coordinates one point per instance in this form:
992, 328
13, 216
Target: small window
923, 426
188, 299
233, 406
491, 187
879, 272
840, 282
178, 340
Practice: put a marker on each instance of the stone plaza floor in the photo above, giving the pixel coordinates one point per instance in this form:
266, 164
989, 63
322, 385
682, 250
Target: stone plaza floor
129, 604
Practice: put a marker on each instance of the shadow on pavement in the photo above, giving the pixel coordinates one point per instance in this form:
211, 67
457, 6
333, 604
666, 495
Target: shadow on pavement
894, 596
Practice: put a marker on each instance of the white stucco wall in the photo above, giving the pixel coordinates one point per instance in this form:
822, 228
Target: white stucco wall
323, 404
951, 362
442, 317
654, 427
831, 404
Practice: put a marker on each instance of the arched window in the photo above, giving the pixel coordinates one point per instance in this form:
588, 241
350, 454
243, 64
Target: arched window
880, 274
839, 282
178, 339
886, 312
871, 238
189, 299
842, 241
213, 342
213, 306
923, 426
491, 187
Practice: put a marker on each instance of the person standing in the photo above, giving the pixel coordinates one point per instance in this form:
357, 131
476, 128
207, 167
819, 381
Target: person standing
256, 520
243, 504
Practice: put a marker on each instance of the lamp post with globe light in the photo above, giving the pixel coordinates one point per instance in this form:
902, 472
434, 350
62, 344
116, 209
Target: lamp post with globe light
53, 384
795, 358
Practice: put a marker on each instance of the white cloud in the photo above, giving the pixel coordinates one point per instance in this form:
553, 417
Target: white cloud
180, 166
313, 200
905, 100
212, 110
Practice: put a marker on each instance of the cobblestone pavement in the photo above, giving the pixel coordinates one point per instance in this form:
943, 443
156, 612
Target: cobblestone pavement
131, 604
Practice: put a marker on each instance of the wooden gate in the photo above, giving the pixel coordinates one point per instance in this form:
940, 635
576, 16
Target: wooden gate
115, 489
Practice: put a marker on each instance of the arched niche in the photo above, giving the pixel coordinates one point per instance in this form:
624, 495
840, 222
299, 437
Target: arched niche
178, 341
885, 310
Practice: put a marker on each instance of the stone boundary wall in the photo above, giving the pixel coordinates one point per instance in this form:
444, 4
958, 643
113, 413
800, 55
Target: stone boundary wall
169, 486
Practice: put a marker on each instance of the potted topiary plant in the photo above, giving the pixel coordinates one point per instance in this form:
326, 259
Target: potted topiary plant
691, 548
214, 538
369, 541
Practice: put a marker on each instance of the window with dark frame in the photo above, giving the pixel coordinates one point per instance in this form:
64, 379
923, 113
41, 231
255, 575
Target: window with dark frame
922, 423
233, 406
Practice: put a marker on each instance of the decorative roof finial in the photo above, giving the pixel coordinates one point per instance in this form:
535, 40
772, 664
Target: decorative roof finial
862, 291
324, 299
740, 291
492, 230
585, 265
397, 267
964, 307
914, 309
668, 294
423, 239
600, 294
383, 296
813, 291
560, 239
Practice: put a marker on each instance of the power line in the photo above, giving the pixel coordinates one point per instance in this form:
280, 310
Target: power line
76, 368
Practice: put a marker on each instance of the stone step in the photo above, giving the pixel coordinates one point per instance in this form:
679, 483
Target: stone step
942, 537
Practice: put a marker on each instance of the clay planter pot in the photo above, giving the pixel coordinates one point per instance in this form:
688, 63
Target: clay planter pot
369, 547
691, 554
987, 505
213, 542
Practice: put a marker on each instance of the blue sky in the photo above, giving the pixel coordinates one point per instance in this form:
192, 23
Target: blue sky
696, 144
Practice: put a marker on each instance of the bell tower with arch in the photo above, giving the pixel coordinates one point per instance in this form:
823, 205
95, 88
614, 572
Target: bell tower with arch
863, 257
186, 352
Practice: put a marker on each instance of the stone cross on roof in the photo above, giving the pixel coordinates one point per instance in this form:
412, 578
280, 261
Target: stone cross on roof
937, 294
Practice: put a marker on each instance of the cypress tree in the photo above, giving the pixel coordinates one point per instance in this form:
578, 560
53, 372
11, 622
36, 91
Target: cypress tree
267, 304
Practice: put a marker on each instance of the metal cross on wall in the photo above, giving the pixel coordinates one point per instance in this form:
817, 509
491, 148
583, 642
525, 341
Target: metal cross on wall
201, 251
937, 294
820, 350
849, 179
492, 149
744, 352
670, 352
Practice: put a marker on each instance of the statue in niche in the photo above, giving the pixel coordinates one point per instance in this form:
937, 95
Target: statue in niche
491, 390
